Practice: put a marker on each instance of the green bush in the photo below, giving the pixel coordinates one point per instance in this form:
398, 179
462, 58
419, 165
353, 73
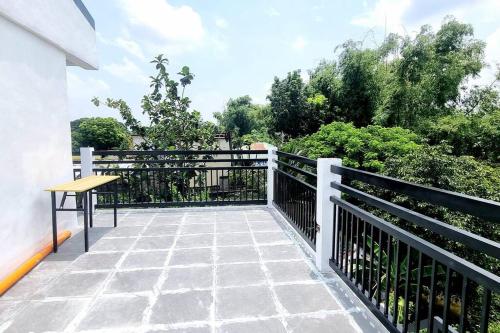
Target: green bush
100, 133
475, 135
367, 147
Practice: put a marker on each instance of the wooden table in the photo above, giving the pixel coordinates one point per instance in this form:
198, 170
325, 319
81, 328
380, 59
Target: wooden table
84, 186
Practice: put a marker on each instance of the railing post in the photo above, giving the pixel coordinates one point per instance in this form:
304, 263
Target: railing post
87, 168
271, 155
324, 211
87, 161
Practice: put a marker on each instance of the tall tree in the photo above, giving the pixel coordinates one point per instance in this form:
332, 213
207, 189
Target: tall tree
288, 105
172, 125
238, 116
427, 74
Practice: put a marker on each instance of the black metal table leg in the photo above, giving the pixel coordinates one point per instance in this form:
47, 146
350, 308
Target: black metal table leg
54, 222
115, 204
91, 208
85, 220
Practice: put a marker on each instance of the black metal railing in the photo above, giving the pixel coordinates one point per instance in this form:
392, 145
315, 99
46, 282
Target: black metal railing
295, 193
411, 283
184, 178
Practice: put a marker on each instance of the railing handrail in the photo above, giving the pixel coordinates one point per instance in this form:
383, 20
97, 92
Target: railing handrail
449, 259
298, 158
483, 208
294, 168
199, 167
312, 187
166, 161
453, 233
178, 152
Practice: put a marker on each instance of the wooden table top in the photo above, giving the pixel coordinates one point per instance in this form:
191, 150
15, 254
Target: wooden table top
83, 184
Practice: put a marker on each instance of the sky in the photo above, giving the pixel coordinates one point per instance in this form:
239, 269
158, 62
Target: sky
237, 47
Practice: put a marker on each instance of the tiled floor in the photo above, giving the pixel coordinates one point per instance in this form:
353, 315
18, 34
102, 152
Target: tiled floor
208, 270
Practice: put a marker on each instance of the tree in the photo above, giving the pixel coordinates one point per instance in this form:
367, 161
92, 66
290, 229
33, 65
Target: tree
360, 83
366, 148
426, 74
288, 105
100, 133
238, 117
172, 125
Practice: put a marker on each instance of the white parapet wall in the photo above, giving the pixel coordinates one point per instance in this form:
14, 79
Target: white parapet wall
35, 138
58, 22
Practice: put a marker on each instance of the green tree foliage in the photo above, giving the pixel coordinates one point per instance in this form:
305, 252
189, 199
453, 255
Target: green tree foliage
475, 135
426, 73
100, 133
367, 147
172, 125
238, 116
361, 83
288, 105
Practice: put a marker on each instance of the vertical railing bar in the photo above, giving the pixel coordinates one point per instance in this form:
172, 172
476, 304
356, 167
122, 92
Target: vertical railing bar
370, 272
396, 284
463, 306
364, 258
407, 290
446, 307
485, 310
346, 243
357, 251
420, 272
388, 276
432, 296
379, 267
352, 249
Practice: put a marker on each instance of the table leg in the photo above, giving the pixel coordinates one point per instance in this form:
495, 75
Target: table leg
91, 208
54, 222
115, 205
85, 220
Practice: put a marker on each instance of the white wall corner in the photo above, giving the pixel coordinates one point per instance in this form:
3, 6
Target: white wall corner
324, 211
271, 155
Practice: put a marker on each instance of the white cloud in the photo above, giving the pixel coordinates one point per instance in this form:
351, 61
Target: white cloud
127, 70
171, 23
80, 88
299, 43
492, 57
407, 16
272, 12
221, 23
385, 13
124, 43
131, 47
304, 75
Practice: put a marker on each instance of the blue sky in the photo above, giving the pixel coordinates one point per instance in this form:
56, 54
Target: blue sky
236, 47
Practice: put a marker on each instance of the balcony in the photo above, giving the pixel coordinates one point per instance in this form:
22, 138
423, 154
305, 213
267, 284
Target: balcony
184, 270
282, 244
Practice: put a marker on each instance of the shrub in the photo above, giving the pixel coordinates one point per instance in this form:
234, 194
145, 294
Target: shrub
366, 148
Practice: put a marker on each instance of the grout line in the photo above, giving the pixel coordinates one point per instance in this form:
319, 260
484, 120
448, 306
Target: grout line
146, 317
213, 308
279, 307
71, 327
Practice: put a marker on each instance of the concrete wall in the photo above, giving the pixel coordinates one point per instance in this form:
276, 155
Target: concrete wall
35, 140
58, 22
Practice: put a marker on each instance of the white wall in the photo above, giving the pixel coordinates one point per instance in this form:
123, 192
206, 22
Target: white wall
35, 142
60, 23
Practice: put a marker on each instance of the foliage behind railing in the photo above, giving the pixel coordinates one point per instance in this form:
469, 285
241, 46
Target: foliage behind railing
184, 178
411, 283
